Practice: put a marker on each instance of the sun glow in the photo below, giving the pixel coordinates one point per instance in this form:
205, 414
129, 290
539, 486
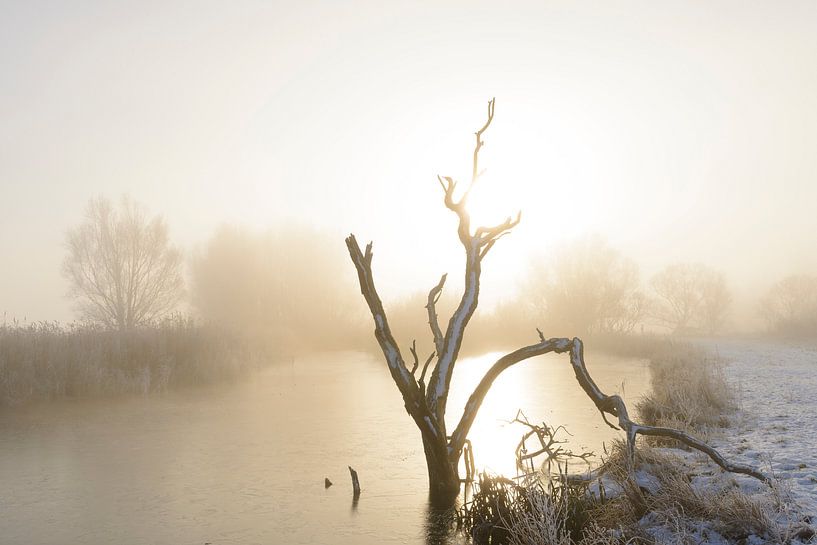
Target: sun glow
546, 217
489, 203
520, 173
538, 388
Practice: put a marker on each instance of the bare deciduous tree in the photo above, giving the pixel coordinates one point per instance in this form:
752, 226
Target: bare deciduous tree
122, 269
691, 297
587, 287
425, 396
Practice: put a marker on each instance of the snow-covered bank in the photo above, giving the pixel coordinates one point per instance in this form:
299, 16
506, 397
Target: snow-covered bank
776, 426
775, 429
766, 397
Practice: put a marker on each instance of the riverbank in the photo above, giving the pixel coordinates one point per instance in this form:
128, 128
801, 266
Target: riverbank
752, 401
775, 425
772, 428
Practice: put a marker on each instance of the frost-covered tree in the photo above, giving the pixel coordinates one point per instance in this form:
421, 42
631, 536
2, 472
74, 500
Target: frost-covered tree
122, 269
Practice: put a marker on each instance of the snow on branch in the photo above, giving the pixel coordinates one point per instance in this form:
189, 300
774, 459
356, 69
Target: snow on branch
397, 367
434, 324
476, 246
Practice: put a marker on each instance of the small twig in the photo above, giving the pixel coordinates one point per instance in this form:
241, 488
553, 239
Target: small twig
549, 445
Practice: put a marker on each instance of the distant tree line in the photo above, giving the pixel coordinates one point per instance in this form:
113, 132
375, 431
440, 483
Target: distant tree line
591, 288
290, 290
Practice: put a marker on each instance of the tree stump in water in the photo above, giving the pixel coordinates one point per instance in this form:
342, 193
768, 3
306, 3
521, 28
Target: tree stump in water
355, 483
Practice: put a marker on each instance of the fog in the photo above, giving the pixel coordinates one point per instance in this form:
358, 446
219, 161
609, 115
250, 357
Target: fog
245, 244
679, 134
288, 289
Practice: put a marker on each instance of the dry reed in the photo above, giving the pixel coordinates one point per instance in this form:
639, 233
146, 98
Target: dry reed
48, 360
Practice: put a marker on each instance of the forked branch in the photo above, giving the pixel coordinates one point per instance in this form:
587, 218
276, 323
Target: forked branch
412, 391
476, 246
486, 234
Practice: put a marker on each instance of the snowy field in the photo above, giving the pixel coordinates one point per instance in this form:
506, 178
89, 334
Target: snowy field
776, 427
775, 430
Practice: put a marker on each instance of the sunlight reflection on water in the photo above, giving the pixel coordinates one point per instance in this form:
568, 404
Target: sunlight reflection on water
545, 389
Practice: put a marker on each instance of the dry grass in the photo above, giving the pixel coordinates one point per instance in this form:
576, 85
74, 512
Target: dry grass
548, 520
505, 513
685, 509
47, 360
689, 392
673, 509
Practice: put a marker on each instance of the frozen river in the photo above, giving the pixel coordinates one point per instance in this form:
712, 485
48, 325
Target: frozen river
245, 463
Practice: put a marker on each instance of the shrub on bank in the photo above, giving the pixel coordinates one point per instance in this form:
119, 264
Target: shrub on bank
559, 513
689, 391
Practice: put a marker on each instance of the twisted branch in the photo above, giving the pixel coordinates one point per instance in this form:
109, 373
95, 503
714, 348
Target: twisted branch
615, 406
612, 405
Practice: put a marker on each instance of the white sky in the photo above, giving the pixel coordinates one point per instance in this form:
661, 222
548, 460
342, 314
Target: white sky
680, 130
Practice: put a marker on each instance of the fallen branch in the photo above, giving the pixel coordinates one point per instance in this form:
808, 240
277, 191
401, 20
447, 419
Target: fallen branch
548, 445
615, 406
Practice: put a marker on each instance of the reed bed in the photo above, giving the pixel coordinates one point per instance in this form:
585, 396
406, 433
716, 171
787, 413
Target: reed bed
48, 360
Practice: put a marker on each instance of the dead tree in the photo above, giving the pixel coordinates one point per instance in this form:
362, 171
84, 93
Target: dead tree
425, 396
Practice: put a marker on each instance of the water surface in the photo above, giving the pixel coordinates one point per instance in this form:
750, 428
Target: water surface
245, 462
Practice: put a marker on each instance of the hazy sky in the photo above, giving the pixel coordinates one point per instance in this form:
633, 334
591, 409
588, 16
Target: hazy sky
680, 130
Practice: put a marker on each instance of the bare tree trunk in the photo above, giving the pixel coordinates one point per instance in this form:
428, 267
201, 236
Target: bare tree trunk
443, 476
